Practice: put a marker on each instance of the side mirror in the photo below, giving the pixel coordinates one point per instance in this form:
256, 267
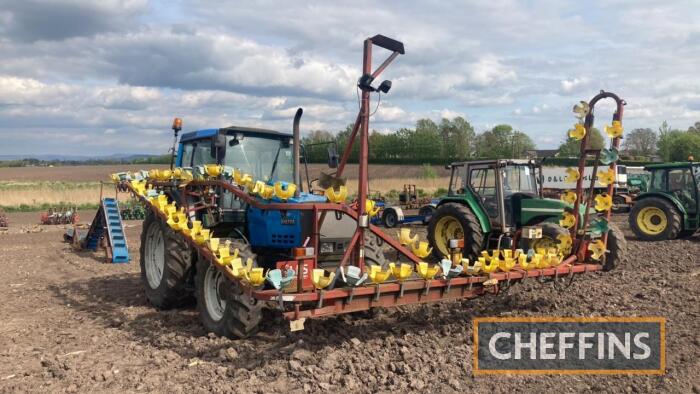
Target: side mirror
332, 157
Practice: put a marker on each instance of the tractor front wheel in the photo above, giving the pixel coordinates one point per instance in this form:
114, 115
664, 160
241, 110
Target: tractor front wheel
224, 308
166, 261
655, 219
455, 221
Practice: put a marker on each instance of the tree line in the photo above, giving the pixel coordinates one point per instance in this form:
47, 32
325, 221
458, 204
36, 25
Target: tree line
455, 139
427, 142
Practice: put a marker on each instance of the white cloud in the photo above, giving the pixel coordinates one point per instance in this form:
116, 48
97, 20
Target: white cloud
488, 71
446, 113
116, 69
569, 85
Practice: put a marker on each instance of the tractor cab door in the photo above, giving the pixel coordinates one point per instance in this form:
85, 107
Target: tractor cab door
487, 184
681, 183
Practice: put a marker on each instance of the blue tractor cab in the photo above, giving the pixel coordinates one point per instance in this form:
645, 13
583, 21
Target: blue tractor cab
266, 155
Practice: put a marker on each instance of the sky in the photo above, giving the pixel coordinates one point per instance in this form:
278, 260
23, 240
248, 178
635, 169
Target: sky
83, 77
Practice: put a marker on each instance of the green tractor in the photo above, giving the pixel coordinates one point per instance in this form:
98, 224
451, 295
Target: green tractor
670, 208
493, 203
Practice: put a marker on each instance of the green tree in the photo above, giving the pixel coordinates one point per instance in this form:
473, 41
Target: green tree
572, 147
641, 142
694, 128
666, 141
503, 142
684, 146
458, 138
423, 143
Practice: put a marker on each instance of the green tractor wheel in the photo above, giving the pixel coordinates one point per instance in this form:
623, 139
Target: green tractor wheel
455, 221
655, 219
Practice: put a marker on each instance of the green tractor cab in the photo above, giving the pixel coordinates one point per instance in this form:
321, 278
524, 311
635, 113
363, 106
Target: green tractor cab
492, 204
670, 208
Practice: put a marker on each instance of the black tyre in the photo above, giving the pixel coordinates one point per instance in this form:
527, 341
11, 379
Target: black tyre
427, 212
166, 263
374, 252
454, 221
550, 235
617, 248
655, 219
619, 205
223, 307
390, 218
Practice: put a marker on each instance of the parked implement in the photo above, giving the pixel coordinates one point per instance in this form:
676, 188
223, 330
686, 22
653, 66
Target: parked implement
232, 224
60, 215
670, 207
410, 208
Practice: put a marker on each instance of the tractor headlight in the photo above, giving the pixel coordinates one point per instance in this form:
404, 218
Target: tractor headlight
327, 247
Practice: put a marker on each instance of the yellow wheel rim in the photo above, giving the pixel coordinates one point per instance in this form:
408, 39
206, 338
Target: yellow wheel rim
447, 228
545, 243
652, 220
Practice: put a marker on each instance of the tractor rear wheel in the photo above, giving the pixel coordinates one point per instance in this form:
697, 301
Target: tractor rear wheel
655, 219
617, 248
455, 221
166, 261
374, 253
224, 308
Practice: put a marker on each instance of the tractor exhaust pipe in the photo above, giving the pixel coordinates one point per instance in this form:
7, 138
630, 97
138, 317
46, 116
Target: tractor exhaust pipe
297, 147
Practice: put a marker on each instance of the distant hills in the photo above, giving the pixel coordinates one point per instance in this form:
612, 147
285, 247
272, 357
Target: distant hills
75, 158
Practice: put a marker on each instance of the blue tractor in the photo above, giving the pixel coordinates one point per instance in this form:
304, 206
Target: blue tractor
172, 271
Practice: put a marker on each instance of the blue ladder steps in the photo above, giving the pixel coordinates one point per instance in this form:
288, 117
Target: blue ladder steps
108, 218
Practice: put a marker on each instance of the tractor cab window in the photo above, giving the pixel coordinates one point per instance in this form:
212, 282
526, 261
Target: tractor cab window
187, 150
483, 181
201, 154
266, 159
457, 185
658, 180
682, 185
519, 179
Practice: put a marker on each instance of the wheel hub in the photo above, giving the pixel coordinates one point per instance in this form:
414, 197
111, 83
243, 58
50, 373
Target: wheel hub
447, 228
214, 293
155, 256
652, 220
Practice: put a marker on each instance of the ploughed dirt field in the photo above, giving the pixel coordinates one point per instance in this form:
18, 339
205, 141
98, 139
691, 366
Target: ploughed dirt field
71, 323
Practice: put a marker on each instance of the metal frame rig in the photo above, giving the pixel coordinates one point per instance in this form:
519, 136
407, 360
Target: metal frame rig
297, 302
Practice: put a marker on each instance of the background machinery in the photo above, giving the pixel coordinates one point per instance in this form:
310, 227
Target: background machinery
496, 203
410, 208
669, 206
